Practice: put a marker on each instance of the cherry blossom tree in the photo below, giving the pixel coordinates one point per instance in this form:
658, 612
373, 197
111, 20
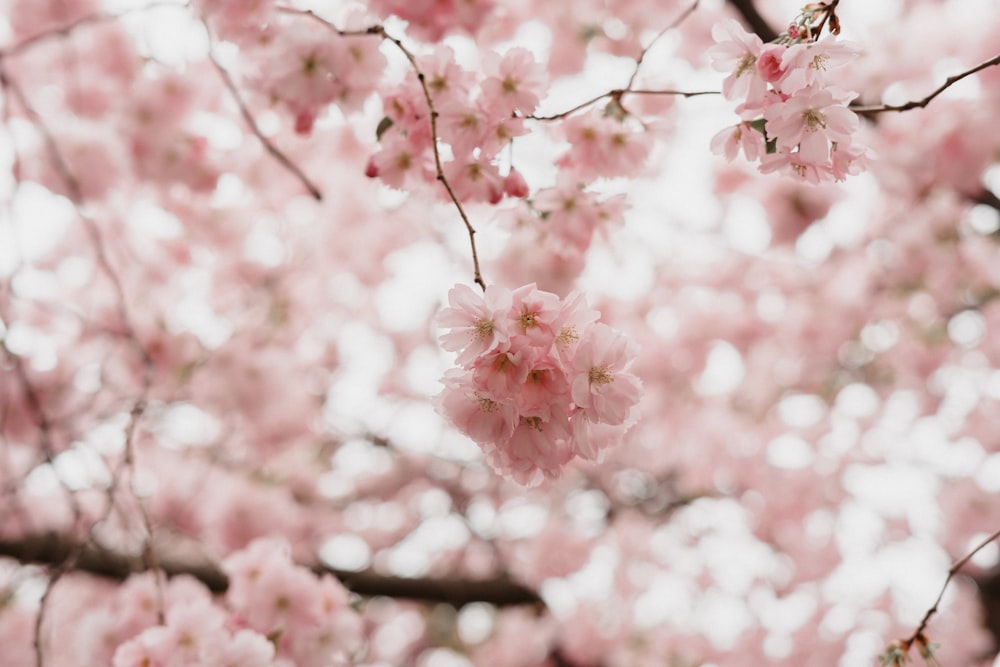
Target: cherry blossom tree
489, 332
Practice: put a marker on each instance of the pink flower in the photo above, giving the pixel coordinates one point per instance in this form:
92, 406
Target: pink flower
806, 64
246, 648
769, 64
730, 141
487, 421
477, 322
445, 78
602, 145
736, 51
537, 449
475, 179
820, 114
154, 647
793, 163
601, 386
398, 162
501, 374
514, 184
592, 439
533, 315
514, 395
544, 386
515, 80
574, 318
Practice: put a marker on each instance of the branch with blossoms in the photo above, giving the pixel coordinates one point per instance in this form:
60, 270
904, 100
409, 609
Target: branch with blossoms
791, 119
897, 653
432, 114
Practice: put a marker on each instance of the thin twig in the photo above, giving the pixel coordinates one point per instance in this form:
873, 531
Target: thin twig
921, 103
380, 31
828, 11
138, 408
66, 29
617, 94
642, 56
362, 32
269, 146
901, 647
477, 276
952, 571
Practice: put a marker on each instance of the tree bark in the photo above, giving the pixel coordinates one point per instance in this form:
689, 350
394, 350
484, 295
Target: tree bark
756, 22
55, 550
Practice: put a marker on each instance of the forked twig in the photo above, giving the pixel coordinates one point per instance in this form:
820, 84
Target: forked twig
923, 102
268, 145
897, 653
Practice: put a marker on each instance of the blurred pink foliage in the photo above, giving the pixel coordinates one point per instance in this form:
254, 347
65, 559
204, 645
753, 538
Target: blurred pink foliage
416, 333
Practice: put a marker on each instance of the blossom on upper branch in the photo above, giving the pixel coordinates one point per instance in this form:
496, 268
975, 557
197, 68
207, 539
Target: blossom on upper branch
541, 382
736, 52
805, 126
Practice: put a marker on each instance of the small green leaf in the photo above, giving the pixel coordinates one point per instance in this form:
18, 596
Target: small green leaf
760, 125
772, 146
383, 125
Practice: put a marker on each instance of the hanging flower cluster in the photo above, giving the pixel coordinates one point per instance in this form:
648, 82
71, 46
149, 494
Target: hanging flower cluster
792, 120
540, 380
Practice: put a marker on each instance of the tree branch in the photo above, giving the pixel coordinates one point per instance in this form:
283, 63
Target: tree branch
756, 22
379, 30
248, 118
55, 549
921, 103
897, 653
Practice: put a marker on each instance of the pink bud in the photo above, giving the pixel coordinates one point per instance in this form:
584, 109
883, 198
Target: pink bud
304, 122
769, 63
514, 184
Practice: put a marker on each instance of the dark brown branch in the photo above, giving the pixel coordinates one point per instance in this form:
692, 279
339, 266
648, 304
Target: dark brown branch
55, 549
987, 198
921, 103
756, 22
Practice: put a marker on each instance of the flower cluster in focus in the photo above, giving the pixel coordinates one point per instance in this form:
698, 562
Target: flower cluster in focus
540, 380
792, 120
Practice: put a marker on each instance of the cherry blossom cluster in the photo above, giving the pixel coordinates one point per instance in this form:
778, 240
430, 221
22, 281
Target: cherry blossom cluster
540, 380
279, 613
474, 121
792, 119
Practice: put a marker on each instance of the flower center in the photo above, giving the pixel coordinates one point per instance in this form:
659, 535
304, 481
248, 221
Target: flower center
600, 375
748, 64
814, 119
